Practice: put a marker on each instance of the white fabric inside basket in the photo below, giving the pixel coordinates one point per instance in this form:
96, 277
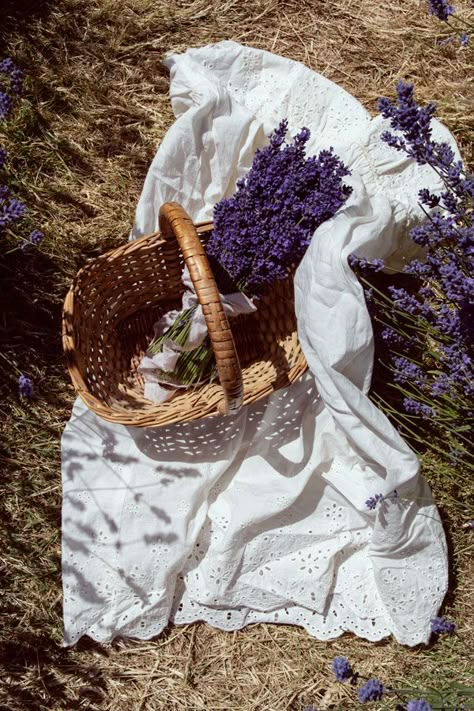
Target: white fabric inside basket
262, 517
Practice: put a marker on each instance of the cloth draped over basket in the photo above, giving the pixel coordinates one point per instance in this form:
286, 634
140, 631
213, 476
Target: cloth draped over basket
261, 516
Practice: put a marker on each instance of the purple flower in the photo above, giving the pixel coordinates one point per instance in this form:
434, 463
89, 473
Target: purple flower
432, 319
418, 705
407, 371
441, 625
391, 337
372, 690
25, 386
342, 668
10, 209
5, 105
373, 264
7, 66
428, 198
267, 225
3, 157
36, 237
410, 120
414, 407
441, 9
373, 501
414, 123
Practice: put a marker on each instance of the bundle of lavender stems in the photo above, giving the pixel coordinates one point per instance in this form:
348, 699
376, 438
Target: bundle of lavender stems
258, 235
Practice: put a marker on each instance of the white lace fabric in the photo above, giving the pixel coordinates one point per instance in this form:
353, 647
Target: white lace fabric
261, 517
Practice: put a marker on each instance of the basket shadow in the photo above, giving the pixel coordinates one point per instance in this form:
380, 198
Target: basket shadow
218, 438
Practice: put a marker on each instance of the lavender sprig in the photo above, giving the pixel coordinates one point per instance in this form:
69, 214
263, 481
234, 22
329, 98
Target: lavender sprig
11, 209
441, 625
372, 690
342, 668
440, 9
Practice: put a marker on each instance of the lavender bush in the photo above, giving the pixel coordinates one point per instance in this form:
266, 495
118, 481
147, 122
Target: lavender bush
426, 320
263, 230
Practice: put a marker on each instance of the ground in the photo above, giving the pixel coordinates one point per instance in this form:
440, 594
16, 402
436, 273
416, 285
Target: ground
94, 109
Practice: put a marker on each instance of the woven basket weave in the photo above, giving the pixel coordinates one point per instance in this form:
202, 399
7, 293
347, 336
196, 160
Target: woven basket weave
114, 301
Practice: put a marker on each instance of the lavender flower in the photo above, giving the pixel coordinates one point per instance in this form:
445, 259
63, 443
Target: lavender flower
267, 225
5, 105
8, 66
418, 705
441, 9
464, 39
441, 625
411, 120
407, 371
372, 502
342, 668
362, 263
25, 386
415, 407
391, 337
36, 237
372, 690
11, 210
3, 157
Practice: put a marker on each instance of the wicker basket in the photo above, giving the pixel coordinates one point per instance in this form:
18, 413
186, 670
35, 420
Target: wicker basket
114, 301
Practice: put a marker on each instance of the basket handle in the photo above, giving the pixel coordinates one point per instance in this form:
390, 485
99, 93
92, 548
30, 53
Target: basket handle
175, 222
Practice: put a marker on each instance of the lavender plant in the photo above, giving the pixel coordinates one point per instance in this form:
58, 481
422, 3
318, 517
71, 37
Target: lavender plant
263, 231
426, 324
12, 210
447, 13
10, 86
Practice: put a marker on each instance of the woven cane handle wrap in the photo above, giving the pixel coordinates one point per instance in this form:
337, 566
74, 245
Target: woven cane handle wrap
175, 222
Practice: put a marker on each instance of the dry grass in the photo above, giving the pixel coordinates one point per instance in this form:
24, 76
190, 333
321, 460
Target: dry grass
94, 111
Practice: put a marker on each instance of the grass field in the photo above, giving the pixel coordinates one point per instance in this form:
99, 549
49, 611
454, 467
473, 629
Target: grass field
93, 111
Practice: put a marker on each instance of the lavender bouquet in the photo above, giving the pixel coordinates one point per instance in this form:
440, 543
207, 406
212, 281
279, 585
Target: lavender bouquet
259, 235
426, 321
